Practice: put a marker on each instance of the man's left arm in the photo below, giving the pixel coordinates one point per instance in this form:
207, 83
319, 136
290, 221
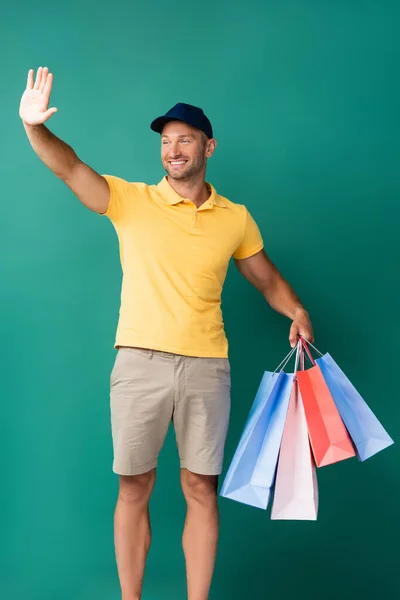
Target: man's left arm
262, 273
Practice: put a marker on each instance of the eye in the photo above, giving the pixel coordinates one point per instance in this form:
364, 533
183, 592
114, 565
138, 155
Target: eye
185, 141
164, 142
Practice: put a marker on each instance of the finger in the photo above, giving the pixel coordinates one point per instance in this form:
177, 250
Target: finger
293, 337
29, 83
38, 78
48, 85
308, 336
43, 80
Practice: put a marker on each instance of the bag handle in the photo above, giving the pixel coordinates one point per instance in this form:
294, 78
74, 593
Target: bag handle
301, 357
298, 355
285, 361
304, 344
301, 345
310, 344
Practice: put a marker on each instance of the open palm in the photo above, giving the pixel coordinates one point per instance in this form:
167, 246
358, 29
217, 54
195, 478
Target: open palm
34, 108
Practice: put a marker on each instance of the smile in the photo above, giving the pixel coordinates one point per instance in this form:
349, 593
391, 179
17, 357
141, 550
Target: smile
177, 162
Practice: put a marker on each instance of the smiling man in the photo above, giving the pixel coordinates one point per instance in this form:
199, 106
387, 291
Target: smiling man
176, 240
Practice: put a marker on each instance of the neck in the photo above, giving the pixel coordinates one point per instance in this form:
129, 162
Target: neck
194, 189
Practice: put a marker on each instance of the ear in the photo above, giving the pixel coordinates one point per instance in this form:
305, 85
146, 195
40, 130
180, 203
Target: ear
210, 147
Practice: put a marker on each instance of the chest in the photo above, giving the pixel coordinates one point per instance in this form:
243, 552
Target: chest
182, 236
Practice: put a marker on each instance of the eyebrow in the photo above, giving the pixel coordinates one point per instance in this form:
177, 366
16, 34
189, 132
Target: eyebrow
181, 135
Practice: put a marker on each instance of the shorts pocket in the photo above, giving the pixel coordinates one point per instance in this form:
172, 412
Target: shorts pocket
114, 369
222, 369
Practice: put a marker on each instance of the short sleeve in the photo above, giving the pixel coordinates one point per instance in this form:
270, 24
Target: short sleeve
119, 197
252, 241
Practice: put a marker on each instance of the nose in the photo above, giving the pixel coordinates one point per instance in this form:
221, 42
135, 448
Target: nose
175, 151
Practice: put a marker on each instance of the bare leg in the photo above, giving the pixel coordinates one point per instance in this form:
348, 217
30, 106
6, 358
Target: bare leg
200, 535
132, 531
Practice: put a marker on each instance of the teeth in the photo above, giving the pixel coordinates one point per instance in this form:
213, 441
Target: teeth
177, 162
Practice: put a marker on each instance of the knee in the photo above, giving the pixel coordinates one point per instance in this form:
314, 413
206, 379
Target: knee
136, 489
199, 488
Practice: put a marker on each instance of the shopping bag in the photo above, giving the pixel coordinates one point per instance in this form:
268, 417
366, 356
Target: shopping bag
251, 473
296, 487
367, 433
330, 440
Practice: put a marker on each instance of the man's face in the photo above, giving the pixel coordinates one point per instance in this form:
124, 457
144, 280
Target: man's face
184, 150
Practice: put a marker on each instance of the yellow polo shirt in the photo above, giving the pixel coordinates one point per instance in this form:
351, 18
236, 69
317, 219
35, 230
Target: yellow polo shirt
174, 259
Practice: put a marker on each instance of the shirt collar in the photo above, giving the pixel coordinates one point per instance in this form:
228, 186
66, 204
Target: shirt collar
172, 197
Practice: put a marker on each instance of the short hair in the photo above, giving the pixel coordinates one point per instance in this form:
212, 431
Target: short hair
204, 137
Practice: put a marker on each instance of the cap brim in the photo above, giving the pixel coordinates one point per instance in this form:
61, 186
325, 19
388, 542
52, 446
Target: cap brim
158, 124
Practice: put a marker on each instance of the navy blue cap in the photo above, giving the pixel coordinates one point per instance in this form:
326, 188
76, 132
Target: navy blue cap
192, 115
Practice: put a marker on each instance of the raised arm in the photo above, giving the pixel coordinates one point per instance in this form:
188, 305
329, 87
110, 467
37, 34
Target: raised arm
89, 187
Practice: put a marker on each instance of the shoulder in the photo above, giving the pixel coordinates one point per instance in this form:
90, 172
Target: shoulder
234, 208
118, 183
125, 197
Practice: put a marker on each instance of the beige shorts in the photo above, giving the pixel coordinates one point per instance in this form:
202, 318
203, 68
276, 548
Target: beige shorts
150, 388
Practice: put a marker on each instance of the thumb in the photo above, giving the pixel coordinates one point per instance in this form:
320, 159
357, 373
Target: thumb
49, 113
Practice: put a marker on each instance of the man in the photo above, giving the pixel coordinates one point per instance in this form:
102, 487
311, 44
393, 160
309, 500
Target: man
176, 239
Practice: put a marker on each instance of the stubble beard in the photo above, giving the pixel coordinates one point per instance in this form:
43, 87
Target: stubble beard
189, 173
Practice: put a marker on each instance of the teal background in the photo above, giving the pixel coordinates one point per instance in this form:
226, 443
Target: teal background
304, 98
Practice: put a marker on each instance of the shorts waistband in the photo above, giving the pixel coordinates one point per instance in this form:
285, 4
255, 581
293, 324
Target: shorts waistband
150, 352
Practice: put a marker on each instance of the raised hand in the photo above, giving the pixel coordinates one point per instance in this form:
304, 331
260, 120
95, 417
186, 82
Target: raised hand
34, 108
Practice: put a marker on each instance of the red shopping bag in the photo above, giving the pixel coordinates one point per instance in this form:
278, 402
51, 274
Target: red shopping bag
329, 437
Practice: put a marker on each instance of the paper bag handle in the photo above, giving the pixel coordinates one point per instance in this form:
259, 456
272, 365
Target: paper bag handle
285, 361
304, 344
310, 344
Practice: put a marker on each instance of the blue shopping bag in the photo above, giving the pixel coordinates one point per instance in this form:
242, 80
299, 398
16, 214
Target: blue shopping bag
251, 473
367, 433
